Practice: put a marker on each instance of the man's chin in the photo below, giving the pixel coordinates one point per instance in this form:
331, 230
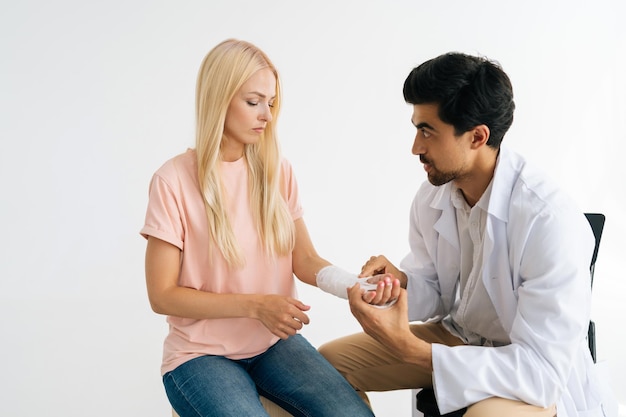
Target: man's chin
438, 180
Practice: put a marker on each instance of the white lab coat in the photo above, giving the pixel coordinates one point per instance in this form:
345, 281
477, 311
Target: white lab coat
537, 251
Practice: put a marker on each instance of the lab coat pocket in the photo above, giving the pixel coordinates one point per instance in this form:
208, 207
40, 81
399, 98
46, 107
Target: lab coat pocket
594, 397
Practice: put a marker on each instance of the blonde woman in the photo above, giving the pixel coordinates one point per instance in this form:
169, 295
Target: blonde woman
225, 237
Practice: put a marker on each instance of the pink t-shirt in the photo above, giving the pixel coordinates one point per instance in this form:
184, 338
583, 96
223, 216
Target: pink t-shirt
176, 214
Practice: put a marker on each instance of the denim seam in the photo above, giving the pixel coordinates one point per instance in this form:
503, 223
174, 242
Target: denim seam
182, 394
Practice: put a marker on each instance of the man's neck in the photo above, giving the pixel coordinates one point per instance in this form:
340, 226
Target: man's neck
474, 184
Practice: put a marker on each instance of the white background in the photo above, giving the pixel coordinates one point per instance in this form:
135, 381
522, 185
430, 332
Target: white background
95, 96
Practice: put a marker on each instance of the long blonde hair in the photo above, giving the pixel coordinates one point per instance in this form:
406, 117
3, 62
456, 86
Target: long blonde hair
222, 73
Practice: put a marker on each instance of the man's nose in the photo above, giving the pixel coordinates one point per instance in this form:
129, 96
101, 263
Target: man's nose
418, 148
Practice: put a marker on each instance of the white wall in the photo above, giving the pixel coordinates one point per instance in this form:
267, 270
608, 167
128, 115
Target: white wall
94, 96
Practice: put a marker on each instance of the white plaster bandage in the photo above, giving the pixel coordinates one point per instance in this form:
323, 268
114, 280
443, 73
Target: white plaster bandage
335, 280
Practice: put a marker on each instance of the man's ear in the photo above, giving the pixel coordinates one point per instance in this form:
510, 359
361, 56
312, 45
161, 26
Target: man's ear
480, 136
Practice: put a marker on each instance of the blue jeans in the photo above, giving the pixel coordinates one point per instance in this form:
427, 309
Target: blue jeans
291, 373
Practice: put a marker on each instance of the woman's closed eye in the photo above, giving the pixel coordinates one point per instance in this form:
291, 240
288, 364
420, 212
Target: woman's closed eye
256, 103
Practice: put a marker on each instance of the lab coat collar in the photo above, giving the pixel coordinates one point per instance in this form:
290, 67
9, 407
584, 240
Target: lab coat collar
505, 176
446, 224
504, 179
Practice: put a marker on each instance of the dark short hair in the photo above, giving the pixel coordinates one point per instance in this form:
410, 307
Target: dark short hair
469, 91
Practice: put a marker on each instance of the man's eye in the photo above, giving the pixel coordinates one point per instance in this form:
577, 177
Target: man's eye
425, 133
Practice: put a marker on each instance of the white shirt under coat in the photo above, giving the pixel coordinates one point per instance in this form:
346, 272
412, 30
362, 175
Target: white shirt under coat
473, 318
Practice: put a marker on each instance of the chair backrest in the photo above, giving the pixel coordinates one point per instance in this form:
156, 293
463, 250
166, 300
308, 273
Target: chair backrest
596, 220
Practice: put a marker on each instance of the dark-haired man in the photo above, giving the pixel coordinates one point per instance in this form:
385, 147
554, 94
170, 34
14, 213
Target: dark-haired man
498, 269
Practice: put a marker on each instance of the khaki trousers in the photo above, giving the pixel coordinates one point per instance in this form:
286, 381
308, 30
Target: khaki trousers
369, 366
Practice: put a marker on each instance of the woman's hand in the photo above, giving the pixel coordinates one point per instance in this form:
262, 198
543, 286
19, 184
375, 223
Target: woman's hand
283, 316
380, 290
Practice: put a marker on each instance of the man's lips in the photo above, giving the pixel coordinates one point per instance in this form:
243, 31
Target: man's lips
426, 162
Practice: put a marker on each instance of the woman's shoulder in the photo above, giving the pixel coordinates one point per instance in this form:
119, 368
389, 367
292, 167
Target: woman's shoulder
184, 162
178, 172
285, 166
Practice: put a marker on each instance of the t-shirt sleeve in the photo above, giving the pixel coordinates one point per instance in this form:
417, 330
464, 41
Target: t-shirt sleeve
290, 191
163, 216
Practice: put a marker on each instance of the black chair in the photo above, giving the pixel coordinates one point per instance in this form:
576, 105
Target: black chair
425, 398
596, 220
427, 404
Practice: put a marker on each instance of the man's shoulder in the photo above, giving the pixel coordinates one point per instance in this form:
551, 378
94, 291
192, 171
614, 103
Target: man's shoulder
535, 193
523, 176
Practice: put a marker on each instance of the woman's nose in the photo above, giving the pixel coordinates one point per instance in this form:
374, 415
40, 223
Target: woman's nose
266, 114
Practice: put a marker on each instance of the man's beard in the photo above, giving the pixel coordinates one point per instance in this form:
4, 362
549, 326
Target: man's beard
438, 178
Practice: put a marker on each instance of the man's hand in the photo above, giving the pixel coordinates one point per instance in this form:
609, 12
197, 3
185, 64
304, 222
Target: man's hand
383, 325
378, 265
390, 327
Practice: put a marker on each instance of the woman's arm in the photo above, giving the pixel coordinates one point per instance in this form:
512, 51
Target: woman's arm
306, 262
283, 316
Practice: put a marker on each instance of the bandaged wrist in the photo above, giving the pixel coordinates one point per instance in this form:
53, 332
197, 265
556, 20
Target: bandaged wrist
335, 280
